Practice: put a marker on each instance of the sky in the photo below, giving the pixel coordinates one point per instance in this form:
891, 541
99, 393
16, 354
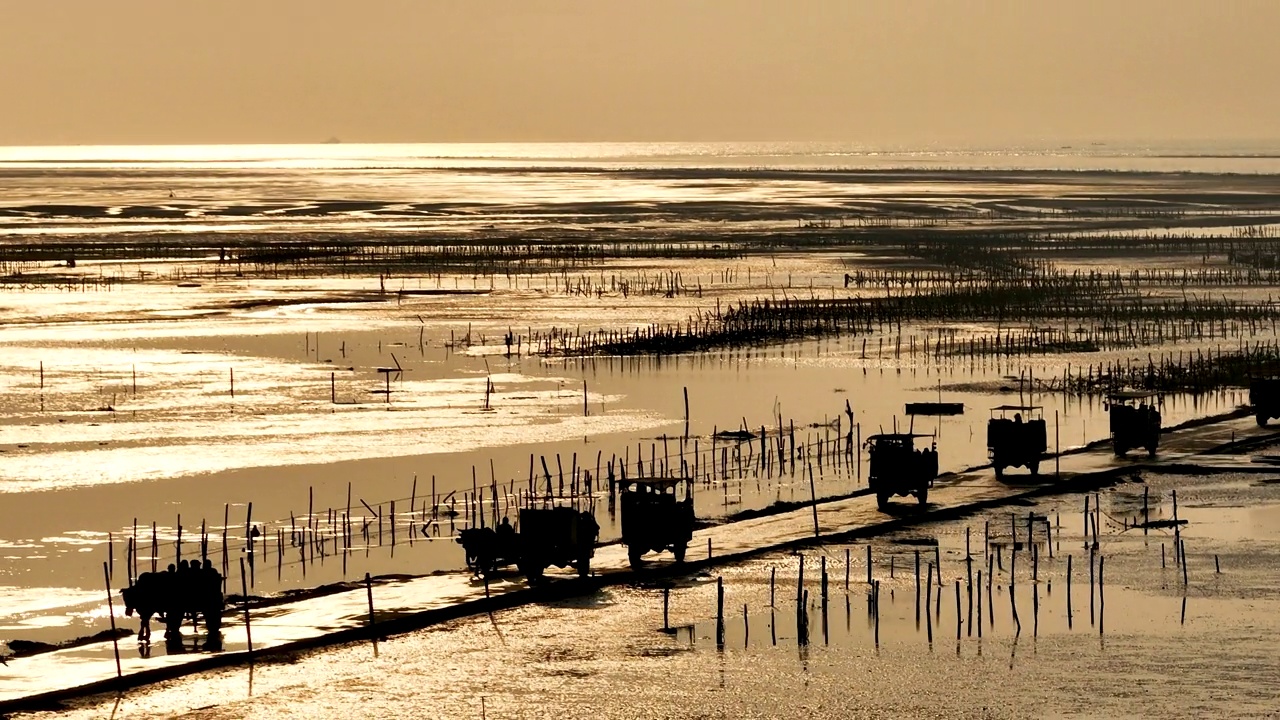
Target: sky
874, 72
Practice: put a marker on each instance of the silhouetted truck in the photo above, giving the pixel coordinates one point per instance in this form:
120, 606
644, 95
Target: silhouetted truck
1264, 396
898, 467
1135, 421
560, 536
657, 515
1016, 438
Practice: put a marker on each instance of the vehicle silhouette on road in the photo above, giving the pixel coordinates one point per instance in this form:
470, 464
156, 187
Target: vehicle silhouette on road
657, 515
1017, 441
1135, 421
560, 536
1264, 396
898, 467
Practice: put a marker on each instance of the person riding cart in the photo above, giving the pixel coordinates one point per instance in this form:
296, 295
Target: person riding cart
1135, 421
657, 515
1017, 441
897, 467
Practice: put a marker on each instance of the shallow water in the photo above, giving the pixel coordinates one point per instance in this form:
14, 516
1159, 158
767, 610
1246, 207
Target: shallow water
397, 189
605, 655
136, 422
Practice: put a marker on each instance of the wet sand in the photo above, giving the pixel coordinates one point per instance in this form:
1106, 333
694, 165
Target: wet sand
340, 615
116, 401
1144, 644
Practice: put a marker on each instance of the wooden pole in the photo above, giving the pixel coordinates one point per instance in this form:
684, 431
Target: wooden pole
686, 411
876, 601
800, 582
959, 619
111, 610
1068, 591
1183, 553
1102, 602
244, 597
720, 612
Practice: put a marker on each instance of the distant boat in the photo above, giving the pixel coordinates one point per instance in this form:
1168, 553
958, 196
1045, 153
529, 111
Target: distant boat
333, 141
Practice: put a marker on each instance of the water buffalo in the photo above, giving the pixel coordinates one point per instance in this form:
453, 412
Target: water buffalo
175, 595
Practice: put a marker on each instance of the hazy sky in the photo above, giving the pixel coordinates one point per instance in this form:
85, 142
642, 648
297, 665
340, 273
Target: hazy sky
868, 71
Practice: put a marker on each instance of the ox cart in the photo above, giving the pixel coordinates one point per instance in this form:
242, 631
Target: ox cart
559, 536
1016, 441
1135, 421
1264, 396
898, 467
657, 515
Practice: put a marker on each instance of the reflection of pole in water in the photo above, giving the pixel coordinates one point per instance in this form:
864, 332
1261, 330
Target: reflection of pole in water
1035, 609
979, 605
802, 621
928, 603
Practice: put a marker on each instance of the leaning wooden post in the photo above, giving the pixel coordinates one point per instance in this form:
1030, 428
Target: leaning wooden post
686, 408
111, 610
800, 583
1183, 552
244, 597
1068, 591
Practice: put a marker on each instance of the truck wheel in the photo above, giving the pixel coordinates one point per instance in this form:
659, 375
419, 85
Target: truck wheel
882, 500
1034, 467
1151, 450
633, 556
999, 471
1121, 450
1262, 419
678, 551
